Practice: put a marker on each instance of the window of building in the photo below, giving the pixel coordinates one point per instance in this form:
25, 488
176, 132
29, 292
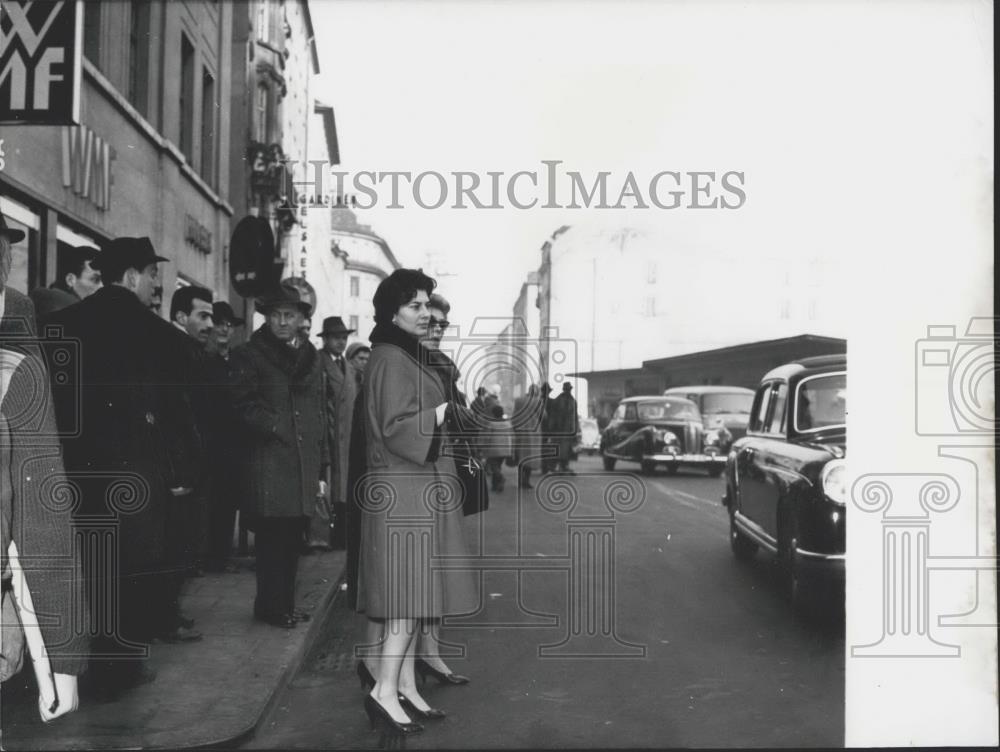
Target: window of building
649, 309
138, 55
353, 323
355, 286
651, 272
208, 127
264, 20
187, 99
785, 309
92, 32
261, 119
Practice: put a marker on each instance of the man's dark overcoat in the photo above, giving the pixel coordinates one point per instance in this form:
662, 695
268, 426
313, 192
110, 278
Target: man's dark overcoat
126, 414
279, 400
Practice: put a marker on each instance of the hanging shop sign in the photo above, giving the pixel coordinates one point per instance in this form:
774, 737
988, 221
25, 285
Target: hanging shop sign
40, 62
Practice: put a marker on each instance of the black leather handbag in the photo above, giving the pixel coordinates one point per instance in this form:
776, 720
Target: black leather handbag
472, 476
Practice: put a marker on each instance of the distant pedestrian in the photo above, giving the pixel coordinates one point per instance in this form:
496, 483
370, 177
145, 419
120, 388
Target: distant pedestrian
342, 388
527, 423
223, 442
565, 426
280, 405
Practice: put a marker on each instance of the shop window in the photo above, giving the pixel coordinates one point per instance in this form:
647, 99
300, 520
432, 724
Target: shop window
24, 252
138, 55
187, 99
208, 128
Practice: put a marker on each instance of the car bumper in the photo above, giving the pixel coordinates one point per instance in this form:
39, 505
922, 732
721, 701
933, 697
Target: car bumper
831, 566
686, 459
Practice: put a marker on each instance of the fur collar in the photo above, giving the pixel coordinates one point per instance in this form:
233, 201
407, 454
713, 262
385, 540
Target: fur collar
297, 362
433, 360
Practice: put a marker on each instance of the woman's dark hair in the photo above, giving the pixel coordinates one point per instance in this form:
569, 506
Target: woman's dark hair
398, 289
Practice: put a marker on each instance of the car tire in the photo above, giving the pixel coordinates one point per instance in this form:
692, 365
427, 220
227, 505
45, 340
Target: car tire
647, 468
609, 462
743, 548
714, 472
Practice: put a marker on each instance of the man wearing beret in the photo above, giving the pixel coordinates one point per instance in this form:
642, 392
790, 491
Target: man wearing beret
131, 452
277, 386
223, 443
30, 461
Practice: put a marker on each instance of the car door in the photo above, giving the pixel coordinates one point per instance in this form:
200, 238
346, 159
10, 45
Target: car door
755, 479
772, 462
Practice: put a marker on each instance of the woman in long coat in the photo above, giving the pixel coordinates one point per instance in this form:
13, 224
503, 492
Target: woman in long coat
411, 505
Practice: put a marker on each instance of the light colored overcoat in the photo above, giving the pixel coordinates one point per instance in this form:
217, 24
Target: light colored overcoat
411, 511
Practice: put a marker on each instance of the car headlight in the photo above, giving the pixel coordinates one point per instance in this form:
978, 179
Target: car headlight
712, 437
834, 480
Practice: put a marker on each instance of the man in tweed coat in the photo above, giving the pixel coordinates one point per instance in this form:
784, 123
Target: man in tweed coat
31, 476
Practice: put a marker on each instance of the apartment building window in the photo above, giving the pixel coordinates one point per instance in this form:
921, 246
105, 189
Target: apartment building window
651, 273
355, 287
92, 33
353, 322
138, 55
263, 20
785, 309
187, 99
208, 128
260, 113
650, 307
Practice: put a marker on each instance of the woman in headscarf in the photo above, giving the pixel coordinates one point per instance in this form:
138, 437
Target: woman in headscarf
411, 499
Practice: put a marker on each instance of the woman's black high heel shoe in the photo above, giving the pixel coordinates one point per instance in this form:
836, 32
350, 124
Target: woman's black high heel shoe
365, 677
431, 714
379, 716
424, 669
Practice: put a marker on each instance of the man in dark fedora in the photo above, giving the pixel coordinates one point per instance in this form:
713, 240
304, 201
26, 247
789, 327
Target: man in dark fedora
341, 389
279, 402
223, 441
132, 455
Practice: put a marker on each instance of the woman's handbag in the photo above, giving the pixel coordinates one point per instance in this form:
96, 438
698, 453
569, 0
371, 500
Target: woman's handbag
472, 477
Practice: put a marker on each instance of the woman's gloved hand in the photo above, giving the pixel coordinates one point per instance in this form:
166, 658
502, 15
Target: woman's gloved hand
459, 419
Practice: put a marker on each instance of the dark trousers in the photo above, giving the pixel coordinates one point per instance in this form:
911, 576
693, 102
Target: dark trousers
277, 541
221, 523
186, 529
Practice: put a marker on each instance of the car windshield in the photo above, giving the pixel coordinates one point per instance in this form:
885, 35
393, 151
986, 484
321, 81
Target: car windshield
668, 410
733, 402
821, 402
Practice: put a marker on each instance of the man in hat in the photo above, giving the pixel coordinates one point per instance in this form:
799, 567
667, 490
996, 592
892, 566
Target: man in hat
29, 448
131, 443
342, 388
223, 439
76, 278
279, 401
565, 426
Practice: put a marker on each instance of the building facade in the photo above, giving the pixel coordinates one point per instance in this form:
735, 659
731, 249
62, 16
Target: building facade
151, 155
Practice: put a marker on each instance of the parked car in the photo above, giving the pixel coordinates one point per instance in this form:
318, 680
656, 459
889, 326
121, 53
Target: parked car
660, 431
724, 409
590, 437
785, 480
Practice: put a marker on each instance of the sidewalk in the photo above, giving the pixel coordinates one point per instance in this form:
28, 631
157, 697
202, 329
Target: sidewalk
211, 692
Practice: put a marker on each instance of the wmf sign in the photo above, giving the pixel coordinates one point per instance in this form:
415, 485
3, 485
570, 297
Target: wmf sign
40, 62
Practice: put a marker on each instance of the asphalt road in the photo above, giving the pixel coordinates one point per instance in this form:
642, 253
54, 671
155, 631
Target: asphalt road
614, 615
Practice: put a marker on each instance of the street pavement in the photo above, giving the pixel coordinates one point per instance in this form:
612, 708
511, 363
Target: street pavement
613, 614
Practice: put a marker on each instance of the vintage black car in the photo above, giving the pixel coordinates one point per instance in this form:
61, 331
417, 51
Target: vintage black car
724, 409
659, 431
785, 480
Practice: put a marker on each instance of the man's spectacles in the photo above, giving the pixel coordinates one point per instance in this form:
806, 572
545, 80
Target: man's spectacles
440, 323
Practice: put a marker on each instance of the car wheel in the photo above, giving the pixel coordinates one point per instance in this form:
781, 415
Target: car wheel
648, 468
714, 471
609, 463
744, 549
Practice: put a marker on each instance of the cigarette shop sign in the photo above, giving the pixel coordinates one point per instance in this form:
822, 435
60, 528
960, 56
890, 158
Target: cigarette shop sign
40, 62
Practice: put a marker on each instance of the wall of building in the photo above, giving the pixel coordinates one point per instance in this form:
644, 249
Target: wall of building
146, 185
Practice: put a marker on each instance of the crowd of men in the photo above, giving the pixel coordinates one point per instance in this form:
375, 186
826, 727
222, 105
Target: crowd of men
167, 431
